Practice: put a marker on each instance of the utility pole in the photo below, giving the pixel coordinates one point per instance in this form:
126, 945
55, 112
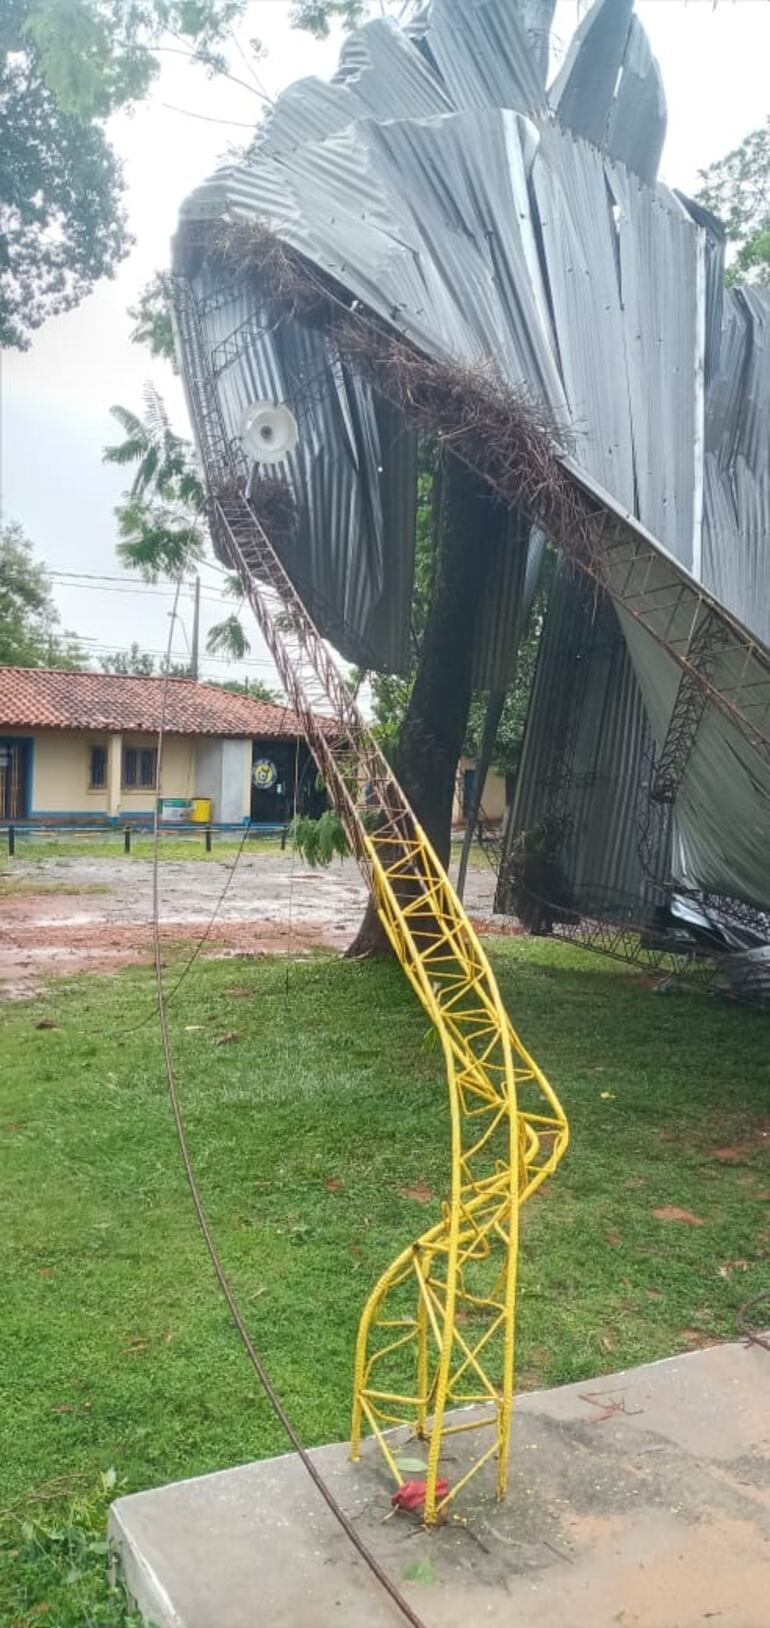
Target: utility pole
196, 629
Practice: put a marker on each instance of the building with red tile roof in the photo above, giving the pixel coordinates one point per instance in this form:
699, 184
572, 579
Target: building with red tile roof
82, 747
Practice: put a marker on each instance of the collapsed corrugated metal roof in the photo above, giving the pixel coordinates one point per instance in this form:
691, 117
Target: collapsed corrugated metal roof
436, 184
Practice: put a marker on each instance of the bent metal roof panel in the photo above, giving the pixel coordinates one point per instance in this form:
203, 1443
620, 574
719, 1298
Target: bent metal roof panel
437, 184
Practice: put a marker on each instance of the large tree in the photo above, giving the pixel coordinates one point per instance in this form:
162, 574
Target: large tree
30, 632
428, 726
65, 65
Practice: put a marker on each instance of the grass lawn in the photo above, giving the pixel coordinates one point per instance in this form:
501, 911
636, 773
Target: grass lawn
96, 844
16, 886
109, 845
314, 1105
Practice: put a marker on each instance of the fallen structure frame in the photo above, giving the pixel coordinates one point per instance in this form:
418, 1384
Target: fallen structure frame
446, 1306
436, 245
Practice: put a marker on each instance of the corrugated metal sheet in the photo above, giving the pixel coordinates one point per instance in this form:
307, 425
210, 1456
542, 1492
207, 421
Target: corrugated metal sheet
579, 247
354, 471
483, 53
636, 128
586, 742
610, 90
658, 257
584, 89
505, 605
736, 539
430, 182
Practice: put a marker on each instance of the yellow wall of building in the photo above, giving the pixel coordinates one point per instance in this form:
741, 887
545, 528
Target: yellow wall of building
61, 763
177, 777
493, 801
61, 770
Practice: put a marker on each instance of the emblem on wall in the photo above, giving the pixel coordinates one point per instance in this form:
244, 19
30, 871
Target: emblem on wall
264, 774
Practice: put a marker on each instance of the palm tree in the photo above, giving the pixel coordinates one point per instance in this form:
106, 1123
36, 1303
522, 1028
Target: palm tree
228, 638
159, 519
166, 461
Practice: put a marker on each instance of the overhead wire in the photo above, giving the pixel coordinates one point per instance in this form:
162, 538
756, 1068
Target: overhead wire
208, 118
99, 646
287, 1424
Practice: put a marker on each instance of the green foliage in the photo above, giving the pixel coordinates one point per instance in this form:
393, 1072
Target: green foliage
319, 841
160, 529
165, 461
158, 539
253, 687
152, 319
228, 638
65, 65
137, 663
134, 661
98, 55
33, 849
63, 1558
317, 16
737, 189
60, 185
158, 520
29, 621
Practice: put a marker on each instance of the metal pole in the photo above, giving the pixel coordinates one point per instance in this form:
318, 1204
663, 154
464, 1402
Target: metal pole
208, 839
11, 841
194, 659
126, 839
494, 713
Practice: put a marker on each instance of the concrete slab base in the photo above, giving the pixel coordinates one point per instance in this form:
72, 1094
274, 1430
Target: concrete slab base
640, 1500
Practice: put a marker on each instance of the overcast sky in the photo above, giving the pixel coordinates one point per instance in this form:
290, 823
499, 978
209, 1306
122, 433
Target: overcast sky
56, 397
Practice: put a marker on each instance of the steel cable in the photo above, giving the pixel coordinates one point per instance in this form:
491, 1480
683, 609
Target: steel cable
343, 1520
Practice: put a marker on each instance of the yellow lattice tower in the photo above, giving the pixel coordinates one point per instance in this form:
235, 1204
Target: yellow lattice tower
438, 1329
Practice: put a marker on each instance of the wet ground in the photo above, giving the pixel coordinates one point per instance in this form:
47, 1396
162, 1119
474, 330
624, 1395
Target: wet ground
78, 915
640, 1500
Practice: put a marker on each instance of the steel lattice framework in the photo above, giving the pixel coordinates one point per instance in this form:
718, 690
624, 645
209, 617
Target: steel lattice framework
438, 1327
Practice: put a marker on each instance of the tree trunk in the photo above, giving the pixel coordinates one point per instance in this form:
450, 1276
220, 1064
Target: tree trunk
432, 734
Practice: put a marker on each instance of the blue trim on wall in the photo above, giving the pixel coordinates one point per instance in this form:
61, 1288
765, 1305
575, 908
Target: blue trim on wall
69, 814
87, 817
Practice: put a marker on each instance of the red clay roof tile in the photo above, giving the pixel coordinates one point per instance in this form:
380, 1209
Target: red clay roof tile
52, 698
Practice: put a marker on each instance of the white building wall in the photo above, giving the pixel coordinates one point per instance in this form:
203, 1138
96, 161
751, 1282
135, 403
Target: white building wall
223, 773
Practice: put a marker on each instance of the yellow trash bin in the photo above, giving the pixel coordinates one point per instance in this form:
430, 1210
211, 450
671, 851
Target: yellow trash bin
201, 810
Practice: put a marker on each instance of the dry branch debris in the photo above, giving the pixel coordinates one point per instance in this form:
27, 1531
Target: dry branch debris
505, 435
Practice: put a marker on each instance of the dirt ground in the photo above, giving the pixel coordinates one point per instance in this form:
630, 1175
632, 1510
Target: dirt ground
271, 904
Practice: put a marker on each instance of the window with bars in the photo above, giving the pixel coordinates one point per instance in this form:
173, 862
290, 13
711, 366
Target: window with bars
140, 766
98, 779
